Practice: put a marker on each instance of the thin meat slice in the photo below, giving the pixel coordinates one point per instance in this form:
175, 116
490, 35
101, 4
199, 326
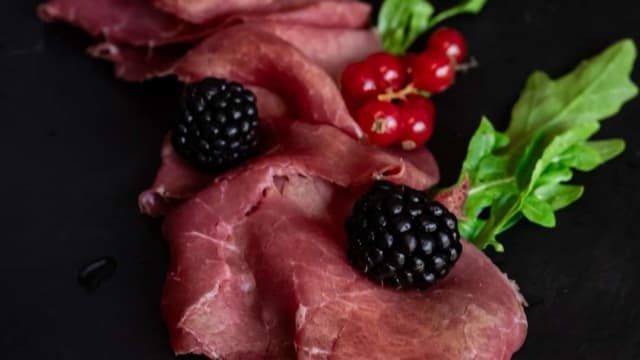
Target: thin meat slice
134, 22
177, 181
332, 49
311, 151
345, 13
138, 63
259, 58
144, 42
139, 23
326, 13
259, 269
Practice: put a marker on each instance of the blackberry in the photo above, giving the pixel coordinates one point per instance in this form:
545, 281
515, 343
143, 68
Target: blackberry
400, 238
219, 125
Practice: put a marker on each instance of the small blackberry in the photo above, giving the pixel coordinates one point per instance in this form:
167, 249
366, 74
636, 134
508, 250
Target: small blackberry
219, 125
400, 238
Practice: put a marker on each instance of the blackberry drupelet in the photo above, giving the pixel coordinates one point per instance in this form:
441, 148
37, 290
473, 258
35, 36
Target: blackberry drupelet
400, 238
219, 125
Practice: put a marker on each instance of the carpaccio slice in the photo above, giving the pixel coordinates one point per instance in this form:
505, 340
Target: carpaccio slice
322, 12
259, 268
134, 22
331, 49
145, 42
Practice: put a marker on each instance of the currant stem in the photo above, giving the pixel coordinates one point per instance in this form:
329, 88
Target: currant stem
399, 95
469, 65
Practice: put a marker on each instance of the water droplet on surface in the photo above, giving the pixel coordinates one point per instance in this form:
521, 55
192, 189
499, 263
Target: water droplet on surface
93, 274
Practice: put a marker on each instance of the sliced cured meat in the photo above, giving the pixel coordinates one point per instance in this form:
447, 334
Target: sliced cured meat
134, 22
332, 49
137, 63
138, 23
177, 181
259, 270
144, 43
343, 13
252, 57
326, 13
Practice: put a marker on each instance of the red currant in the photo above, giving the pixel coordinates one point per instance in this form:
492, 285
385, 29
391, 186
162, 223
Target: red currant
359, 80
433, 72
417, 116
389, 69
407, 60
379, 121
449, 42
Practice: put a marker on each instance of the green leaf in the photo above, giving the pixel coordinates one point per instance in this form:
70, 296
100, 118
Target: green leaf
589, 155
594, 91
521, 172
468, 6
559, 196
484, 142
539, 212
401, 22
608, 149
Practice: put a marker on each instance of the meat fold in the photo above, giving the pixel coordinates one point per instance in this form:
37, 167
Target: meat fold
259, 268
325, 13
133, 22
144, 42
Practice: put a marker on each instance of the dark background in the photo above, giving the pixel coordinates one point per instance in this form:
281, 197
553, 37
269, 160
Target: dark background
77, 147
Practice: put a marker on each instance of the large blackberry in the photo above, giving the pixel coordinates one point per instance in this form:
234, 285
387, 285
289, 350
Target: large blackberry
400, 238
219, 125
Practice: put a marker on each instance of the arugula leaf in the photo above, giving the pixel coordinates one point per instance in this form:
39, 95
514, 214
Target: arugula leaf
400, 22
468, 6
520, 173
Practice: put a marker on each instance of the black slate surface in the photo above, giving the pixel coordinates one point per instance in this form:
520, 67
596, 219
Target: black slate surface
77, 147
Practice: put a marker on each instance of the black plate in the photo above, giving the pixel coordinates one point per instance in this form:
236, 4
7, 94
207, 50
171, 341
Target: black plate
77, 147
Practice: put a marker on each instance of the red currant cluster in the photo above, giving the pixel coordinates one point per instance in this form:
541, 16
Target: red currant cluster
386, 93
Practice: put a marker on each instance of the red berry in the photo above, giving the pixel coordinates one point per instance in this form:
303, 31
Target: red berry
417, 117
379, 121
407, 60
449, 42
420, 102
389, 70
433, 72
359, 80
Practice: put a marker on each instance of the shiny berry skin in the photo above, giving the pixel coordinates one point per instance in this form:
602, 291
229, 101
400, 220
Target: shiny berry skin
449, 42
407, 60
400, 238
390, 74
379, 121
417, 117
433, 72
359, 80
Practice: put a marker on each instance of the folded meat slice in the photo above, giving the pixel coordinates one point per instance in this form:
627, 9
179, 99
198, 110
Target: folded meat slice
139, 23
134, 22
145, 42
349, 12
254, 57
177, 180
331, 49
259, 268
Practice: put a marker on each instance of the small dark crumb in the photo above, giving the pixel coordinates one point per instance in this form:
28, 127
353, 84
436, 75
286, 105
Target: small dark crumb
52, 133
